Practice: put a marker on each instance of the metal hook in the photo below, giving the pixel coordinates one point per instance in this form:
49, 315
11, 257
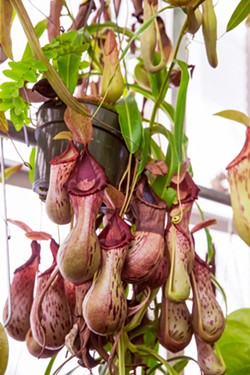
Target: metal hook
7, 256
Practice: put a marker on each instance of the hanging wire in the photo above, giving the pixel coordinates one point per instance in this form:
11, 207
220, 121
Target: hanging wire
26, 136
6, 237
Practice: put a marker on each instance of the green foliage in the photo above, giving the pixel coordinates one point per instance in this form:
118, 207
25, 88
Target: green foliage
130, 122
40, 28
66, 51
167, 108
234, 345
10, 99
32, 159
240, 13
143, 151
234, 115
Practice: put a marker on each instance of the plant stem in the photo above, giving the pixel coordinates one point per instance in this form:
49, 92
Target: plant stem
142, 350
121, 355
130, 185
137, 318
133, 183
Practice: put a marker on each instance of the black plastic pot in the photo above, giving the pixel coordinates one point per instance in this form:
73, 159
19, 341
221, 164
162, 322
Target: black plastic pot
108, 146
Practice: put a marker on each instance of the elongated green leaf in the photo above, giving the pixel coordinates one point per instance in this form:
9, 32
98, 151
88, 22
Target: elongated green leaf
143, 151
166, 107
234, 344
240, 13
160, 187
39, 28
160, 129
161, 183
130, 122
32, 159
68, 69
220, 288
210, 247
171, 159
180, 110
155, 150
234, 115
68, 62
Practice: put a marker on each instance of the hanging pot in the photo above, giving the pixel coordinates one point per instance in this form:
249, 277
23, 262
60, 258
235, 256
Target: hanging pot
107, 146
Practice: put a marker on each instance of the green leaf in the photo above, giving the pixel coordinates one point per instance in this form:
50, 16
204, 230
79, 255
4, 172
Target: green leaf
210, 247
9, 94
68, 62
8, 86
181, 110
83, 64
130, 122
6, 104
234, 344
19, 120
49, 54
30, 76
38, 65
12, 74
32, 159
180, 365
161, 183
19, 102
15, 93
156, 150
143, 151
166, 107
172, 160
240, 13
234, 115
166, 193
160, 129
20, 66
40, 27
68, 37
68, 66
